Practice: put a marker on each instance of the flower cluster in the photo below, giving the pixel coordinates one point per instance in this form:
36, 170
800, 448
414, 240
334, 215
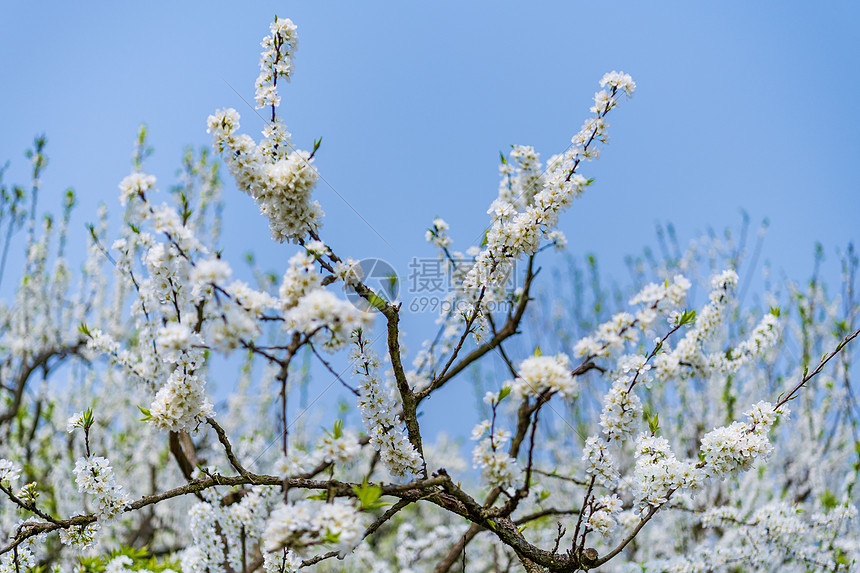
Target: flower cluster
663, 294
295, 462
102, 343
654, 299
609, 336
498, 469
285, 561
80, 536
541, 373
521, 179
621, 413
276, 60
252, 302
438, 234
175, 338
135, 185
379, 413
735, 447
182, 240
779, 533
233, 323
329, 319
529, 208
669, 363
599, 462
216, 528
833, 519
618, 81
658, 472
208, 547
278, 177
723, 514
181, 402
300, 278
168, 353
416, 545
22, 560
340, 447
94, 475
603, 514
210, 271
762, 338
9, 471
310, 522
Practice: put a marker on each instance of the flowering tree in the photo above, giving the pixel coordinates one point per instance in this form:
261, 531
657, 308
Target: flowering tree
670, 408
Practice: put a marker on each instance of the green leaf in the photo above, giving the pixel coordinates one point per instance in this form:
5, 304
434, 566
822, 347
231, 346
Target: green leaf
317, 144
840, 328
538, 351
828, 500
89, 419
485, 240
504, 161
687, 317
504, 392
774, 310
146, 414
368, 495
654, 423
322, 495
330, 537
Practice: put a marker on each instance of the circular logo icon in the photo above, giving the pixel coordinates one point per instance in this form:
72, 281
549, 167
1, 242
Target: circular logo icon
377, 275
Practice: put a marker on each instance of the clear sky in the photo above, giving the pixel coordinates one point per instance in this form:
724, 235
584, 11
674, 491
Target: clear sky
740, 105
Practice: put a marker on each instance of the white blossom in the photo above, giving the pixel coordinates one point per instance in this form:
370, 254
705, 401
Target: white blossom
540, 373
307, 522
94, 475
135, 185
9, 471
379, 413
735, 447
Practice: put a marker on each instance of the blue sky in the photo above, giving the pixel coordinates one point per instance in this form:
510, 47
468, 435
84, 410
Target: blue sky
739, 105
